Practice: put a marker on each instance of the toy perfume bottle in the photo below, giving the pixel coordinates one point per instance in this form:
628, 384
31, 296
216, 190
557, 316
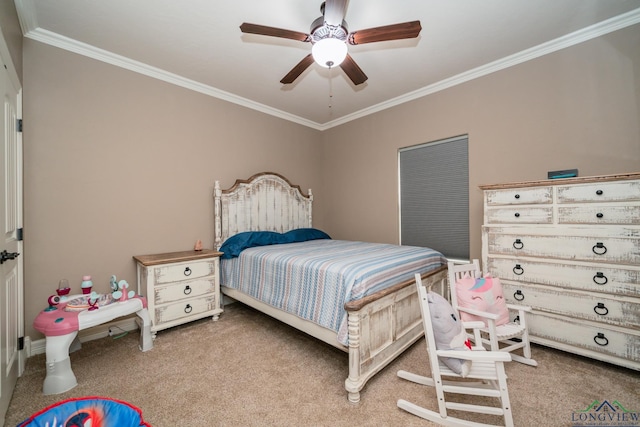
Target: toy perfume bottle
86, 285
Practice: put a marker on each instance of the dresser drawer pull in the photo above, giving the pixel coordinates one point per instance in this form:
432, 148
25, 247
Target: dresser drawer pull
600, 309
601, 340
187, 271
598, 278
599, 249
188, 309
599, 215
187, 290
517, 214
516, 319
517, 196
599, 192
518, 244
518, 270
518, 295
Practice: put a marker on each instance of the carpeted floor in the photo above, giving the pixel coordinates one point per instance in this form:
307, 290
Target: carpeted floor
250, 370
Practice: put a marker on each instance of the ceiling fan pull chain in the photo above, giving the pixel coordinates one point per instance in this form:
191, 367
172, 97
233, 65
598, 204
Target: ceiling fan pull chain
330, 92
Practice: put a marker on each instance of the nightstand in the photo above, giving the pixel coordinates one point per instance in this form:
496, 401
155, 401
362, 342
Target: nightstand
180, 286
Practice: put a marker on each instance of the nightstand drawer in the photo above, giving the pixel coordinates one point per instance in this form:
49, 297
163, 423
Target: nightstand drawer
171, 273
185, 309
182, 290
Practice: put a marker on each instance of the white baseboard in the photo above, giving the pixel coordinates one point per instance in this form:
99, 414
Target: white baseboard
121, 326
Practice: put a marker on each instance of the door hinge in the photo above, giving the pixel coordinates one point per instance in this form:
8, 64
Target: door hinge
21, 343
20, 234
19, 125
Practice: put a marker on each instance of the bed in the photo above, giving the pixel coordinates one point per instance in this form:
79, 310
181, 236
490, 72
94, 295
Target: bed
259, 222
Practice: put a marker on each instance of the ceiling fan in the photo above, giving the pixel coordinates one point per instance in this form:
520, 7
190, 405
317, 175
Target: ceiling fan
330, 36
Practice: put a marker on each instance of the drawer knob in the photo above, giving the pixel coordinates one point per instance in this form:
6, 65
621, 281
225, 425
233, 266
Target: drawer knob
188, 309
599, 215
600, 309
517, 214
187, 290
517, 196
518, 270
517, 244
187, 271
518, 295
600, 339
599, 249
599, 192
600, 278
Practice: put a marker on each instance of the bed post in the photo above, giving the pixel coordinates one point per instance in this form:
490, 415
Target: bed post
353, 383
217, 194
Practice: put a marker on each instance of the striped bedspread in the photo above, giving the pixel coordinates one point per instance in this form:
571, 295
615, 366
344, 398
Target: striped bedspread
314, 279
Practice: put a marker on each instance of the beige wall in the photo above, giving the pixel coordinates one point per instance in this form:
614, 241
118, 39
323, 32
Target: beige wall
12, 33
118, 164
576, 108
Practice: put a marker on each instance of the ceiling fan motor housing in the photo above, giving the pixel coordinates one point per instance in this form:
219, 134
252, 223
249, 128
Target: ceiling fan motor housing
321, 30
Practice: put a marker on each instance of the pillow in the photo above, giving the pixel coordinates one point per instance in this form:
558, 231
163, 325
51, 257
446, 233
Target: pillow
304, 234
484, 294
448, 333
248, 239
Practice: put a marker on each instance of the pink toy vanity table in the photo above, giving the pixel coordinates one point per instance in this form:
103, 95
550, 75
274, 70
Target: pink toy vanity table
61, 328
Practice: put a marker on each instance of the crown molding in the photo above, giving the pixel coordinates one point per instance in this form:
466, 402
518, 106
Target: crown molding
30, 29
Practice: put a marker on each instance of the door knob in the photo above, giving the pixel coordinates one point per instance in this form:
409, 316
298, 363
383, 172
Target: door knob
6, 256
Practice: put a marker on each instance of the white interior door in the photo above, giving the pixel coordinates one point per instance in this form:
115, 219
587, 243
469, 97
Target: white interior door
11, 265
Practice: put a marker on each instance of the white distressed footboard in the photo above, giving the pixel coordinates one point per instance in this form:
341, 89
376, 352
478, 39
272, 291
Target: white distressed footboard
384, 325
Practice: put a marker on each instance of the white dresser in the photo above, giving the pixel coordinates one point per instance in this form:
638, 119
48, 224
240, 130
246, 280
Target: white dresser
180, 286
570, 249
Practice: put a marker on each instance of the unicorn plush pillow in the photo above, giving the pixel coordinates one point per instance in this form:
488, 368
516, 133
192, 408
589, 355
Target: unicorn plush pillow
448, 333
483, 294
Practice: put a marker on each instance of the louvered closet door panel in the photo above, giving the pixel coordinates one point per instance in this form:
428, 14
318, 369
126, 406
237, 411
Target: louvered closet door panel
582, 305
601, 278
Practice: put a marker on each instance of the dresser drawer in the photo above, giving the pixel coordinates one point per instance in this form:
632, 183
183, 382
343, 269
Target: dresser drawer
184, 289
577, 248
593, 214
519, 196
522, 215
601, 278
594, 307
626, 191
191, 308
190, 270
600, 338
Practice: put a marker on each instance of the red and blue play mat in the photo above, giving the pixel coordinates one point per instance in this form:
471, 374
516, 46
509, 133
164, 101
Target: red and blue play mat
87, 412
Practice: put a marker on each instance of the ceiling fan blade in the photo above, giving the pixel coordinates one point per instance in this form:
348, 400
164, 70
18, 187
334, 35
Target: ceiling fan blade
353, 71
334, 11
297, 70
274, 32
406, 30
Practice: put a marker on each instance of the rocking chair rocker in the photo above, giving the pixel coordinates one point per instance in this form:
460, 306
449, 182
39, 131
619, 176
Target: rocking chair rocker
486, 366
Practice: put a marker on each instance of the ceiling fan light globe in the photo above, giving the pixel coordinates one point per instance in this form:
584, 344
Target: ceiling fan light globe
329, 52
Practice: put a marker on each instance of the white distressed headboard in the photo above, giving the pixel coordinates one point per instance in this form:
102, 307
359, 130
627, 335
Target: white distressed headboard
265, 202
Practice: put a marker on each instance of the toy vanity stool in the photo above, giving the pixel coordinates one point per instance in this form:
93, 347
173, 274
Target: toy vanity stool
60, 324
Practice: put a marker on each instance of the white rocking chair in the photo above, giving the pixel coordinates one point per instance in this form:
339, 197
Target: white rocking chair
495, 334
486, 366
